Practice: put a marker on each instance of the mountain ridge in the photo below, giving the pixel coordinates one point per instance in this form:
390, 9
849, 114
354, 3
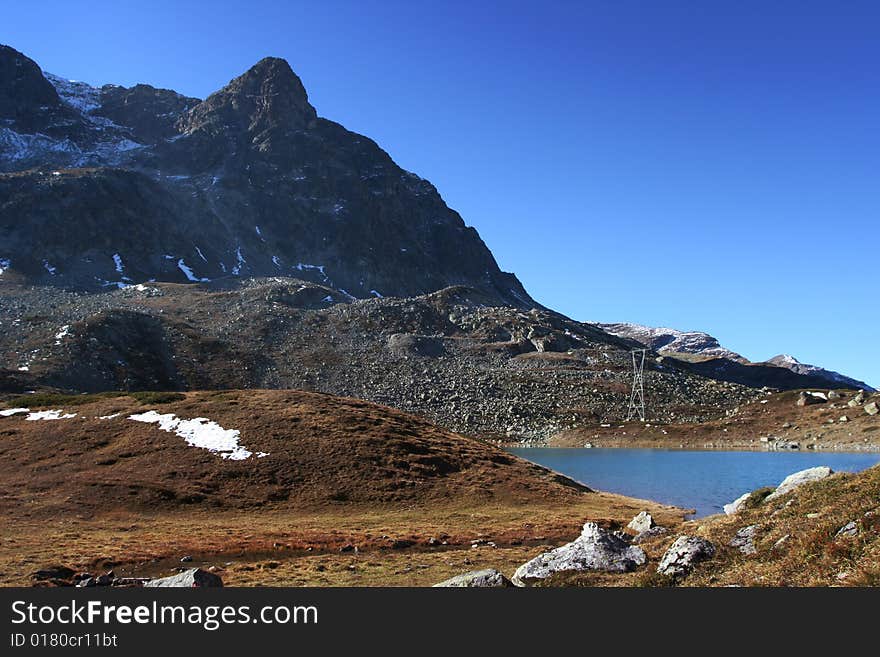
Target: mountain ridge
248, 182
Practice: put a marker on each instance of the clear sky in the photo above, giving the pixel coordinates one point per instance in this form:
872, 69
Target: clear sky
707, 165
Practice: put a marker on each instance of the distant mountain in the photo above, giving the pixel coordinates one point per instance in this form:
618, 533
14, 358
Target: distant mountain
110, 186
793, 364
710, 358
672, 341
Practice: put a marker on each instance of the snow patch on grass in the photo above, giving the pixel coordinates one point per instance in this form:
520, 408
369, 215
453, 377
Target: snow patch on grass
200, 432
13, 411
49, 415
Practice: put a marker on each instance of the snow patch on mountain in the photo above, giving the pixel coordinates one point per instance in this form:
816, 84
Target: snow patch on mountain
190, 275
791, 363
666, 340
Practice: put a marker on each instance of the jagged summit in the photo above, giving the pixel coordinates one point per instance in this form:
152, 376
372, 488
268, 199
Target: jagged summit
268, 95
248, 183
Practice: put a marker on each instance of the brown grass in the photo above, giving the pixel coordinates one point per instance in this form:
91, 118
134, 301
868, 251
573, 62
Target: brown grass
95, 494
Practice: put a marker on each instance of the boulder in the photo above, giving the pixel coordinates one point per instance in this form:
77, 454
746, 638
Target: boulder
796, 479
594, 549
649, 534
194, 577
807, 399
641, 523
744, 540
833, 394
871, 408
737, 505
684, 554
484, 579
849, 529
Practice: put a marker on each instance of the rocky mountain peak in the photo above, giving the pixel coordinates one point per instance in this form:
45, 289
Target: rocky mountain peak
267, 96
25, 94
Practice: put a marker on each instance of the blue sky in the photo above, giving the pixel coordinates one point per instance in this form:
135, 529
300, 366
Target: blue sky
703, 165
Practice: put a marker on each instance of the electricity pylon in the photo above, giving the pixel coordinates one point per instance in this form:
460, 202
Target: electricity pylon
637, 396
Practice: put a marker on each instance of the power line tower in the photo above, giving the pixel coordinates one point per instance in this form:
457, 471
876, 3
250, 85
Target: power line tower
637, 396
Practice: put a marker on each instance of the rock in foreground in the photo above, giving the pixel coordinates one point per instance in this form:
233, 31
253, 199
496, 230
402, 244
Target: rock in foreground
594, 549
484, 579
192, 578
796, 479
684, 554
641, 523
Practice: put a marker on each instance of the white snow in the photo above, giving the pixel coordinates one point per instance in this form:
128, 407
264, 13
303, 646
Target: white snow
4, 265
109, 417
328, 299
259, 232
63, 333
239, 258
13, 411
49, 415
301, 266
376, 294
24, 368
17, 146
181, 265
79, 95
117, 260
49, 268
200, 432
201, 255
276, 261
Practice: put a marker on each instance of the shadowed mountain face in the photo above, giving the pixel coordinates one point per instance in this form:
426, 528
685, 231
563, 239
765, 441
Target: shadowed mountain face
111, 186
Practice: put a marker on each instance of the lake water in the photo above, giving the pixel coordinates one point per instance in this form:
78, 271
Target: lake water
704, 481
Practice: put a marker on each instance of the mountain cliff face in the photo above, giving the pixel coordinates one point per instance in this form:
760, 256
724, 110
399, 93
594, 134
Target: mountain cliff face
112, 186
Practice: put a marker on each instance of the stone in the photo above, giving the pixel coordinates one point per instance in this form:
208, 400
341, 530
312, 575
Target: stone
594, 550
484, 579
782, 542
808, 399
744, 540
843, 418
849, 529
833, 394
194, 577
641, 523
800, 478
737, 505
684, 554
650, 534
186, 559
871, 408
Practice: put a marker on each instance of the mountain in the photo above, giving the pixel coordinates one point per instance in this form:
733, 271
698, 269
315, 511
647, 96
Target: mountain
673, 342
710, 358
109, 186
152, 241
793, 364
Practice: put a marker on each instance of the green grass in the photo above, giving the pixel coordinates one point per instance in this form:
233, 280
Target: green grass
59, 399
45, 400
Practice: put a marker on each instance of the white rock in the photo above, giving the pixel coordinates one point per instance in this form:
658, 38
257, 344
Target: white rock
736, 505
796, 479
641, 523
684, 554
489, 578
594, 549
